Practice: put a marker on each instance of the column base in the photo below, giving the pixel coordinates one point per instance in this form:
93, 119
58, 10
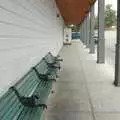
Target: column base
116, 83
101, 61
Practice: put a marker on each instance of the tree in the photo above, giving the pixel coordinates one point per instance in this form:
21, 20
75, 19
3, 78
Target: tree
110, 16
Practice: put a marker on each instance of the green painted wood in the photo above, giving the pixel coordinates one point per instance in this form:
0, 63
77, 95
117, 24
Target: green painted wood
28, 85
26, 90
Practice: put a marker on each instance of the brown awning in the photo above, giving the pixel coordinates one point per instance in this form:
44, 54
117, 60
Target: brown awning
74, 11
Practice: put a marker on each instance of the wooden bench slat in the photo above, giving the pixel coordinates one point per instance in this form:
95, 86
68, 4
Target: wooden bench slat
30, 84
14, 100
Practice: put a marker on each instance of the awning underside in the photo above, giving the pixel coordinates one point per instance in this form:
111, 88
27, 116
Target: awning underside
74, 11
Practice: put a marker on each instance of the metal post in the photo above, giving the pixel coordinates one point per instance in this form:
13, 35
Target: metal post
87, 31
92, 25
81, 34
117, 57
101, 37
85, 40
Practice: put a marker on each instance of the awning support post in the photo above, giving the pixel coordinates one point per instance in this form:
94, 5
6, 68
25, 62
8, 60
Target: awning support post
92, 42
81, 32
84, 32
117, 57
101, 37
87, 31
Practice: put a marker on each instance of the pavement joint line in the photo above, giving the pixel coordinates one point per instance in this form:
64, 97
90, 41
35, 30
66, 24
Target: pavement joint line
89, 96
105, 112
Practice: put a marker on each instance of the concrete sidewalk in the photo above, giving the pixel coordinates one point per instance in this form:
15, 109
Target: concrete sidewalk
84, 90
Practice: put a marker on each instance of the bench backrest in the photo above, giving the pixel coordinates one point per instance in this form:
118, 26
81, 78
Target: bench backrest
10, 106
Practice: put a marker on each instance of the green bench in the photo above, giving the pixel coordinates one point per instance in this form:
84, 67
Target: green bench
26, 100
53, 63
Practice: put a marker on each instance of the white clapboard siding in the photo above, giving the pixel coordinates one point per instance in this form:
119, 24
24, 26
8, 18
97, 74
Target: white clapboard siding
28, 30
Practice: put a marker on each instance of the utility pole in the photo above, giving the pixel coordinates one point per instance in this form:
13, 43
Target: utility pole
101, 36
117, 57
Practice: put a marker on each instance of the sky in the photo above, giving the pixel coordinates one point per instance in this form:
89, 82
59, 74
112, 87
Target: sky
113, 2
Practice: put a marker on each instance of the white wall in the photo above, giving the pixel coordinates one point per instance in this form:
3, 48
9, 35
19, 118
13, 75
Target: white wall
28, 30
